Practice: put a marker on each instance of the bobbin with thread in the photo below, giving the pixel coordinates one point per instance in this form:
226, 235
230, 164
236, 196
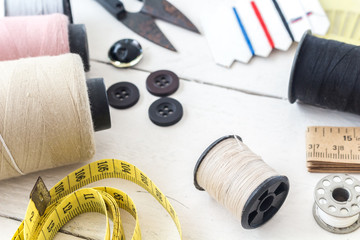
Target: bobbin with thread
325, 74
336, 208
37, 7
241, 181
48, 113
48, 35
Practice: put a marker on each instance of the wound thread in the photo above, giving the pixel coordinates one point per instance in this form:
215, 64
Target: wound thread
16, 167
283, 19
263, 24
241, 181
326, 74
49, 35
37, 7
243, 30
22, 37
45, 118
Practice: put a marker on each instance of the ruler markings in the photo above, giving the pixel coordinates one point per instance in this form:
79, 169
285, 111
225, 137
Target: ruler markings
354, 133
329, 150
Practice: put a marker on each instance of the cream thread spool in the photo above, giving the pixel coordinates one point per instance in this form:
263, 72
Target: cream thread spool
241, 181
337, 203
47, 113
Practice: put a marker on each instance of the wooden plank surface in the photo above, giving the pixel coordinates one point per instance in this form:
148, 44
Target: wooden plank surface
9, 226
214, 105
193, 60
272, 128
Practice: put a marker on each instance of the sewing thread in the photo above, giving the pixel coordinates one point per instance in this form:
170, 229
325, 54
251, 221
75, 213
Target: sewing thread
241, 181
37, 7
325, 73
45, 118
22, 37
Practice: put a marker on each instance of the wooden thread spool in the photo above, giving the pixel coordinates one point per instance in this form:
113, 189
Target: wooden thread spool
241, 181
48, 114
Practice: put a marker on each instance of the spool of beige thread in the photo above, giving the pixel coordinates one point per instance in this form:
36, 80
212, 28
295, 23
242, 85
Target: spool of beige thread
241, 181
46, 118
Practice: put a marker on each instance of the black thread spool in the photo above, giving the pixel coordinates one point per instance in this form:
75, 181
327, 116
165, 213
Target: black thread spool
78, 43
325, 73
264, 202
99, 104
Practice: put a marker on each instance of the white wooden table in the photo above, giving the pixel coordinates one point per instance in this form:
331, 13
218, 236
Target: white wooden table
248, 100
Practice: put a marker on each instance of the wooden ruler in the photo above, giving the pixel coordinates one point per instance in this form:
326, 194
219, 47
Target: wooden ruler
333, 149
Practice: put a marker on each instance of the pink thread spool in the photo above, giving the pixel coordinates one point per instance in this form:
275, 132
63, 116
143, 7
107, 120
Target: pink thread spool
47, 35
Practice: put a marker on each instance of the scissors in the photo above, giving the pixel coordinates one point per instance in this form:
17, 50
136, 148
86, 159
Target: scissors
143, 22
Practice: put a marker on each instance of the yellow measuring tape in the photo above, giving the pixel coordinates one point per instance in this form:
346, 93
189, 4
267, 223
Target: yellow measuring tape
48, 211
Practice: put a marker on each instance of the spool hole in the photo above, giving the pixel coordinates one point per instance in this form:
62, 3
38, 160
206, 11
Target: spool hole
321, 191
326, 183
337, 179
341, 194
344, 211
349, 181
332, 208
266, 203
322, 201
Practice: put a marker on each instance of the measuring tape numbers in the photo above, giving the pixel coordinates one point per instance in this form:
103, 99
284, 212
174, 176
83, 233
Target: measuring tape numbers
333, 149
48, 211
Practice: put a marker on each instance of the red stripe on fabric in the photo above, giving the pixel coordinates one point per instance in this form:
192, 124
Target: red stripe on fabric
263, 25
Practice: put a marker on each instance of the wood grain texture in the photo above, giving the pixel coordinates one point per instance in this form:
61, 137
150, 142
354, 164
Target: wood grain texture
9, 226
193, 60
272, 128
214, 105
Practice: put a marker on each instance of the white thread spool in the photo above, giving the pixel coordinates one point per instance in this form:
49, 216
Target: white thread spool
45, 116
241, 181
337, 203
37, 7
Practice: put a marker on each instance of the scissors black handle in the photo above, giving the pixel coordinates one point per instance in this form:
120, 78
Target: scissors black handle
115, 7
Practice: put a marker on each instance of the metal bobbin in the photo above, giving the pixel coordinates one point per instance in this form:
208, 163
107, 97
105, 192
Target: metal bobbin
337, 203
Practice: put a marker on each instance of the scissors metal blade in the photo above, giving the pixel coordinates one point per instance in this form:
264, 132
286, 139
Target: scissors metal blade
145, 26
141, 23
164, 10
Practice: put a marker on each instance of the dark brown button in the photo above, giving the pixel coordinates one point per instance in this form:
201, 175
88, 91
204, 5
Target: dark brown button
123, 95
165, 112
162, 83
